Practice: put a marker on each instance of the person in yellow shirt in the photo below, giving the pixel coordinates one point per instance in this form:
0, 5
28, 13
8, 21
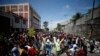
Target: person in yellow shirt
20, 50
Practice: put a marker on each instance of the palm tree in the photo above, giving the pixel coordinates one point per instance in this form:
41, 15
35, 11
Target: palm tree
45, 24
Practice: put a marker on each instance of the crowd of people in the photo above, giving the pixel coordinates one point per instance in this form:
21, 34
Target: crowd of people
48, 44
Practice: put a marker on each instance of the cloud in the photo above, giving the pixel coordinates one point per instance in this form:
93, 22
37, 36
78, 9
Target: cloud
67, 6
53, 24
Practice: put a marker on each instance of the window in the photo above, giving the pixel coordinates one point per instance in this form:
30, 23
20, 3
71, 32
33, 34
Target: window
16, 19
21, 8
26, 8
21, 14
24, 22
14, 8
16, 13
7, 8
26, 16
2, 8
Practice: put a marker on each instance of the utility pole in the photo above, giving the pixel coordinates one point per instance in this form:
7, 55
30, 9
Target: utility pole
91, 24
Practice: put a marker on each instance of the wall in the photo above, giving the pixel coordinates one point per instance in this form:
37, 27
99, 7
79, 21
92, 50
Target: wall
82, 26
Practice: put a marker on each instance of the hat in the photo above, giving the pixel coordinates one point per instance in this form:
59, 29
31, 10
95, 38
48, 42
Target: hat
48, 40
74, 45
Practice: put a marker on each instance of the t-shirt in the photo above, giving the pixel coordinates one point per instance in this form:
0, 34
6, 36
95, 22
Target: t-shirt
58, 48
48, 46
20, 51
42, 46
24, 53
81, 52
15, 51
65, 42
71, 52
32, 51
63, 54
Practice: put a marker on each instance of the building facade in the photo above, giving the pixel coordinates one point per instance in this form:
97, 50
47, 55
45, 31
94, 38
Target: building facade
24, 10
10, 22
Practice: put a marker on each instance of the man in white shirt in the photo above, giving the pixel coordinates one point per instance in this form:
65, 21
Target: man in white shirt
72, 50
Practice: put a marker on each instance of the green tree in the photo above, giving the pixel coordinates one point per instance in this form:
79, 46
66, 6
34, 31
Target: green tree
76, 17
59, 27
45, 24
31, 32
47, 29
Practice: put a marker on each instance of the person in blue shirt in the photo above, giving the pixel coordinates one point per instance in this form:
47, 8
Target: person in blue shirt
48, 47
15, 50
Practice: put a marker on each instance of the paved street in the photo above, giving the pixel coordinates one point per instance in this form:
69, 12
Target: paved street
89, 54
92, 54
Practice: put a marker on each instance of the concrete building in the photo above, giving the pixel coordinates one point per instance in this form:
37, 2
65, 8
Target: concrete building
11, 21
28, 14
